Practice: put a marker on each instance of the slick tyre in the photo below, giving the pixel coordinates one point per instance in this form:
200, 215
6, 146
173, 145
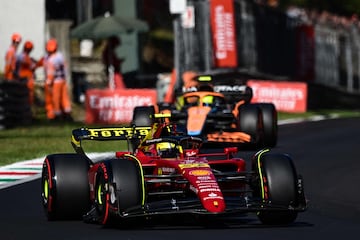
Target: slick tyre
250, 121
120, 184
65, 186
277, 185
142, 116
269, 116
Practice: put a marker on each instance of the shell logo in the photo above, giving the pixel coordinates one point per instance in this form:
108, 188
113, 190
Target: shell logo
200, 172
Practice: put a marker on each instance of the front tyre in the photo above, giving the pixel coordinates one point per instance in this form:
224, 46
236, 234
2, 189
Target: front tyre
65, 186
119, 185
277, 186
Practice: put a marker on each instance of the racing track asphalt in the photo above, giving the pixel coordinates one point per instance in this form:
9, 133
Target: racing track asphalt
326, 153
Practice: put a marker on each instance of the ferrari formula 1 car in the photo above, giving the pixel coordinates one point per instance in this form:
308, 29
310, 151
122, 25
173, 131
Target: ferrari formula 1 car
219, 115
167, 174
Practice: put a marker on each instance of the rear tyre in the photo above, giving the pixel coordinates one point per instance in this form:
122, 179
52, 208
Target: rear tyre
142, 116
119, 183
250, 121
65, 186
277, 185
269, 116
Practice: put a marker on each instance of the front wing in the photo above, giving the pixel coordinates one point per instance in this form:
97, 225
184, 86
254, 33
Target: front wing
193, 206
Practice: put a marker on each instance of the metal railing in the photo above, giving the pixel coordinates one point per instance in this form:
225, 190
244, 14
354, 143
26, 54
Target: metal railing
271, 42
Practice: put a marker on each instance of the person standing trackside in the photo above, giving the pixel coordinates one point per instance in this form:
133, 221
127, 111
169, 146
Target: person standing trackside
57, 100
25, 67
113, 63
10, 57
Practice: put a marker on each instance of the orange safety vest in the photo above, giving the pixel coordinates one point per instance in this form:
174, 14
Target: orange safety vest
25, 66
10, 63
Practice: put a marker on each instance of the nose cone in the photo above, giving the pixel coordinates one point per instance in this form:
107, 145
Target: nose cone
203, 180
214, 202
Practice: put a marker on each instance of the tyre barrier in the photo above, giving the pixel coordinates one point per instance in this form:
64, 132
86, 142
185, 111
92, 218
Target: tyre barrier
15, 109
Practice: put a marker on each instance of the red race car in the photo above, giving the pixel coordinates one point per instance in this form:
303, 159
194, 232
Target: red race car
167, 173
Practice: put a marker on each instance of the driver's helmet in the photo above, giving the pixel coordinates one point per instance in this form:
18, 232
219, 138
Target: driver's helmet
168, 150
208, 100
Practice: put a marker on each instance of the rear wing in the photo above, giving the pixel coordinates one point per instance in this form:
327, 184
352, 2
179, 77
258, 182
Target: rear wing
106, 134
132, 133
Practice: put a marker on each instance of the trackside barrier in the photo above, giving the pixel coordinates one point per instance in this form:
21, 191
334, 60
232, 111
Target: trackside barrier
286, 96
15, 109
107, 106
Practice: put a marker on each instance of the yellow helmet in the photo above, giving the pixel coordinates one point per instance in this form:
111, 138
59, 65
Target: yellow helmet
164, 145
208, 100
168, 150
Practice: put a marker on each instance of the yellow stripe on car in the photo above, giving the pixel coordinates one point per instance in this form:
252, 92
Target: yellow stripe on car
260, 172
142, 177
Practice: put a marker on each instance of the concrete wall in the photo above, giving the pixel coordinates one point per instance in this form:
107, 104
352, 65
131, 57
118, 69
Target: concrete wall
26, 17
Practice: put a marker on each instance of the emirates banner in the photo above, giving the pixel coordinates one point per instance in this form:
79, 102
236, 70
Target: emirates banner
223, 32
107, 106
286, 96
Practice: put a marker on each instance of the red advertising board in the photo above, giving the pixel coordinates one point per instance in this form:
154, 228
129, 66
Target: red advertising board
223, 32
286, 96
107, 106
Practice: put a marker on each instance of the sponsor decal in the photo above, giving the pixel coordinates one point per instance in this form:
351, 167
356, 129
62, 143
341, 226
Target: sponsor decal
117, 132
153, 141
116, 106
203, 178
189, 89
213, 196
190, 153
103, 167
210, 190
167, 170
223, 32
208, 185
190, 160
193, 165
200, 172
286, 96
228, 88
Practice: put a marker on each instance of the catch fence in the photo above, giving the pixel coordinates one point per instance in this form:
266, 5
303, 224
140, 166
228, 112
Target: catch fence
270, 42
